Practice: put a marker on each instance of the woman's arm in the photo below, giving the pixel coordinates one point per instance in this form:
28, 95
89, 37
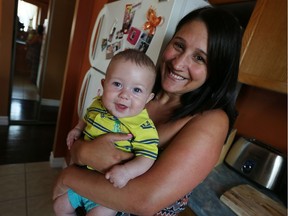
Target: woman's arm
100, 153
186, 161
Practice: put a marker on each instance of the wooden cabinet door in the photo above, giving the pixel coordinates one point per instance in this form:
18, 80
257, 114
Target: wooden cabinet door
263, 62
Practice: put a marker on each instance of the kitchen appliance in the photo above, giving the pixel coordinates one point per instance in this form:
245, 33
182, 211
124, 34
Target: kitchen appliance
143, 25
258, 162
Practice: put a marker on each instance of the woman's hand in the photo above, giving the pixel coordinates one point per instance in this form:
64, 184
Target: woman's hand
100, 153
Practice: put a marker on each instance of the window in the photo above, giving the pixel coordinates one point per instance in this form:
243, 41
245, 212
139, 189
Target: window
27, 14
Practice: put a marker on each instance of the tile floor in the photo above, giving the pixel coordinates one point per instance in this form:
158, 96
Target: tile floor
26, 178
26, 189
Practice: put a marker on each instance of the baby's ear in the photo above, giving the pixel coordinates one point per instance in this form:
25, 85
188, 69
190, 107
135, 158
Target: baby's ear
151, 96
102, 82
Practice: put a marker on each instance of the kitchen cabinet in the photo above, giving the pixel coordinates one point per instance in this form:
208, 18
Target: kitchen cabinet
263, 60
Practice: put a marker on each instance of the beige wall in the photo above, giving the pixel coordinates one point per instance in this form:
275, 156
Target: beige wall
43, 4
263, 116
6, 35
59, 29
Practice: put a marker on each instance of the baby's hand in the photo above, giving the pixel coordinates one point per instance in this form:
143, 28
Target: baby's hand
118, 176
73, 135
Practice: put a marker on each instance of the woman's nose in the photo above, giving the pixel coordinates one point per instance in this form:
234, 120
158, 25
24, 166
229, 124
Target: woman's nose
180, 62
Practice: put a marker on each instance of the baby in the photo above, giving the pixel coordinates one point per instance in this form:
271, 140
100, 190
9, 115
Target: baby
127, 88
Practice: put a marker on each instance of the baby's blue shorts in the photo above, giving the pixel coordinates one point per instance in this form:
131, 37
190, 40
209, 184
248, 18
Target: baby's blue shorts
78, 201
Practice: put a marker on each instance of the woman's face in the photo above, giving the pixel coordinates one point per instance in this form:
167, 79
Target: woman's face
184, 61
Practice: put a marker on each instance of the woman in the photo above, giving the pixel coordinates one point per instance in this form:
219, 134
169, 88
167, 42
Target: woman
194, 110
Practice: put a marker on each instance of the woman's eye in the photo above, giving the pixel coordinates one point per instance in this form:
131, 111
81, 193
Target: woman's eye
178, 46
199, 58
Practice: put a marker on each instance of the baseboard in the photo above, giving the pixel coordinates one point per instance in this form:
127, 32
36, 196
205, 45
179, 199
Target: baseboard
50, 102
4, 120
58, 162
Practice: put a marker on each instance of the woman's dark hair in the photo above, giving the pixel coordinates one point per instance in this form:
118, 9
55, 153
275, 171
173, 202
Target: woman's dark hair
223, 55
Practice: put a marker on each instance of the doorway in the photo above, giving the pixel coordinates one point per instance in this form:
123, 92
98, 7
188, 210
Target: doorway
25, 105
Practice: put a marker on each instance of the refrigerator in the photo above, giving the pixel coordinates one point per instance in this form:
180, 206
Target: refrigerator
147, 25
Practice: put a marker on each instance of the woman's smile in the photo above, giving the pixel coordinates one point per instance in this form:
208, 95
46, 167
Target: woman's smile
175, 76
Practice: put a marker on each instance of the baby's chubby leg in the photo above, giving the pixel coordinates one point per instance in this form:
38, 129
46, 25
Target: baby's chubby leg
62, 206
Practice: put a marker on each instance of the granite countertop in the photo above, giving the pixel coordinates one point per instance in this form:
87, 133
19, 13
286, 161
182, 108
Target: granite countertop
205, 199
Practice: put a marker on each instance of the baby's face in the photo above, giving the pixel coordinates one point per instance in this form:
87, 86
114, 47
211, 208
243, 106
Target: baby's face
127, 88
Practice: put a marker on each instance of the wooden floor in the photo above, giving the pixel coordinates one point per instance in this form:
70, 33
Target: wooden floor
30, 111
25, 106
26, 143
30, 134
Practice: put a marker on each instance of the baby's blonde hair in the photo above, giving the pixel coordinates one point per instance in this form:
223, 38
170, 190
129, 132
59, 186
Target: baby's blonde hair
136, 56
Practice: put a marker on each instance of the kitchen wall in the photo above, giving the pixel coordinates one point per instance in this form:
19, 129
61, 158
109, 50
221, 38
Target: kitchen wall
43, 4
60, 22
263, 115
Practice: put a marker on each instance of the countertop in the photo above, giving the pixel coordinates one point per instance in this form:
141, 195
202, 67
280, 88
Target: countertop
205, 199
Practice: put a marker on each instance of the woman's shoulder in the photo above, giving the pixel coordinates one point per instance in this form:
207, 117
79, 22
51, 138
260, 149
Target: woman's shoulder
215, 116
202, 133
211, 124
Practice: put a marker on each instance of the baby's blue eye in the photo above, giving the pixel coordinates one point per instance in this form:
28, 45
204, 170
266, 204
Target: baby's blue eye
137, 90
117, 84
